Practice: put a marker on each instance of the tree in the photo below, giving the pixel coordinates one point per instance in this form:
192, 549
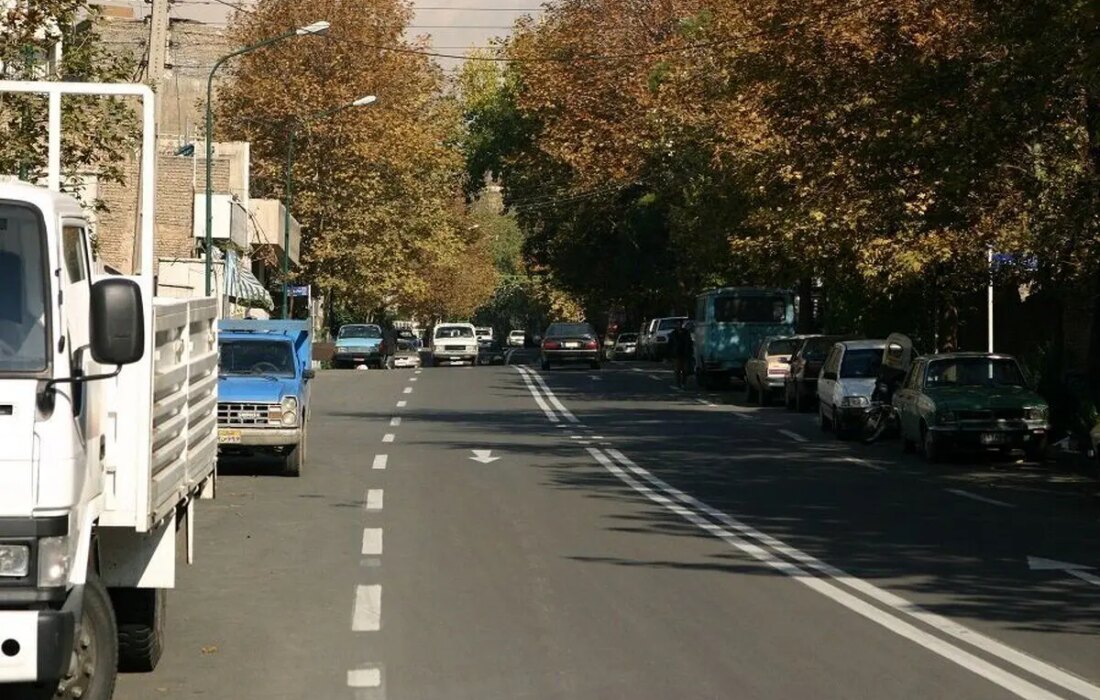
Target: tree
377, 189
98, 134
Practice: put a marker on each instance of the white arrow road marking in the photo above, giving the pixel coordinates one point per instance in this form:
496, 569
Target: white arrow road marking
981, 499
1078, 570
483, 456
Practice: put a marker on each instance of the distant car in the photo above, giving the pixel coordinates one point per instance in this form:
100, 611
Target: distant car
483, 333
625, 347
766, 371
407, 353
489, 352
971, 400
570, 343
454, 342
517, 338
657, 348
846, 383
358, 344
645, 338
800, 384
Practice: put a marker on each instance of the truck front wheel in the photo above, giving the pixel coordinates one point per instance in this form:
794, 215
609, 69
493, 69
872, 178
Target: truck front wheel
295, 459
140, 615
94, 665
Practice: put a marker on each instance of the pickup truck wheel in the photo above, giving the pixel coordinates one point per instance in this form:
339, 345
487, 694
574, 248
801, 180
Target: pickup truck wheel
294, 459
140, 615
94, 665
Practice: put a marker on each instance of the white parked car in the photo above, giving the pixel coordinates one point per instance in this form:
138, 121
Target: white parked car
454, 342
517, 338
483, 333
846, 383
766, 371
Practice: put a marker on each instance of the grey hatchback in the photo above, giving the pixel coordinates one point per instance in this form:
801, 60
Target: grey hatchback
570, 343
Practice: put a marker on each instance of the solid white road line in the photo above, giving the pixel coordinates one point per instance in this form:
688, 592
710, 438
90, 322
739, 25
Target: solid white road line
402, 404
365, 678
1010, 682
792, 435
395, 421
374, 499
367, 616
408, 390
896, 604
380, 461
550, 415
372, 541
388, 437
553, 399
980, 499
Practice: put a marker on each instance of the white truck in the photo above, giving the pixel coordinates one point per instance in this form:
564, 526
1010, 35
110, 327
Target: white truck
108, 434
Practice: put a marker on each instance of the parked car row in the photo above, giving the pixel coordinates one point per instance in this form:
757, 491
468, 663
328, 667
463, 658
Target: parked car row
937, 404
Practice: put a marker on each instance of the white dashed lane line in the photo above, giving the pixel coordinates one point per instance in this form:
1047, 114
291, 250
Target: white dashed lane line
388, 437
380, 461
408, 390
365, 678
367, 616
402, 404
414, 379
395, 421
864, 463
372, 541
792, 435
374, 499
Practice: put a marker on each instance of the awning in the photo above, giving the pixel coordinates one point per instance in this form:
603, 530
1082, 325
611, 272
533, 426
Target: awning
241, 285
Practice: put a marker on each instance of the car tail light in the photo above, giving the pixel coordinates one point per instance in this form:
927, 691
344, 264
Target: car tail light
590, 345
551, 345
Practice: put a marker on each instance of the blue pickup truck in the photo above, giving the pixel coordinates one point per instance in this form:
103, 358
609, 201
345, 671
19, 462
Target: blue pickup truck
264, 373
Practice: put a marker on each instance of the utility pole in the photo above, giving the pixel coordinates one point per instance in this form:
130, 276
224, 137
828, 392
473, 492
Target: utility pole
158, 40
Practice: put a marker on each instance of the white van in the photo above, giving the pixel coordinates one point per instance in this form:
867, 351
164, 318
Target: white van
454, 342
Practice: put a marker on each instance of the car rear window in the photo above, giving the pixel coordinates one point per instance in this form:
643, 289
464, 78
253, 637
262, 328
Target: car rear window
628, 338
669, 323
558, 330
784, 346
861, 363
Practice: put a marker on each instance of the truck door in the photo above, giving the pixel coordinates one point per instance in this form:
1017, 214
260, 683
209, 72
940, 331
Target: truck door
75, 293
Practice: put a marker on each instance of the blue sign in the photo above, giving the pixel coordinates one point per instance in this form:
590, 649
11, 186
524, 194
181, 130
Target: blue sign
302, 291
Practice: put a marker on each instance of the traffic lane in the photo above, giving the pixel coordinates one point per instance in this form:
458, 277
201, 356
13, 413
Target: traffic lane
541, 575
264, 611
874, 513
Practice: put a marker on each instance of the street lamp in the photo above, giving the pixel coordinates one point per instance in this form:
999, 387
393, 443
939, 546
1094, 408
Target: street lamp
317, 28
292, 133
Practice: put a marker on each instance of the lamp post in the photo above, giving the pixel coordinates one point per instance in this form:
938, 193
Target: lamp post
315, 28
291, 135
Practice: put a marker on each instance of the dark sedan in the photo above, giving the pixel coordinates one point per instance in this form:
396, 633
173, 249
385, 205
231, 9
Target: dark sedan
489, 352
570, 343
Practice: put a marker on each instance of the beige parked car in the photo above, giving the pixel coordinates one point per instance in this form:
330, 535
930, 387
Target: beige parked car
766, 371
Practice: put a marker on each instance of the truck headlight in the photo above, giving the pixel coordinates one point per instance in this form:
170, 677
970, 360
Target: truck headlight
855, 402
1037, 413
15, 560
54, 560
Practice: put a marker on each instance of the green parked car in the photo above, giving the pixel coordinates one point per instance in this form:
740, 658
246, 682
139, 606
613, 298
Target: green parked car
970, 401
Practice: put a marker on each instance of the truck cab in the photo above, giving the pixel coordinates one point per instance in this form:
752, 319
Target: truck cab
264, 373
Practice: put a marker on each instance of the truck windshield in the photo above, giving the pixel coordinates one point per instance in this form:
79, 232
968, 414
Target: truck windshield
23, 345
360, 332
256, 357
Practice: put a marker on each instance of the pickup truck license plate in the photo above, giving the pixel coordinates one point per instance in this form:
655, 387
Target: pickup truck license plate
572, 345
994, 438
227, 436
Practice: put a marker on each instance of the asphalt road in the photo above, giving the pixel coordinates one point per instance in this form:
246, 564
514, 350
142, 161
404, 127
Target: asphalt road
505, 533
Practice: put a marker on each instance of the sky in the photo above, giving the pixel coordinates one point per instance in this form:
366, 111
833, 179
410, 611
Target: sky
453, 25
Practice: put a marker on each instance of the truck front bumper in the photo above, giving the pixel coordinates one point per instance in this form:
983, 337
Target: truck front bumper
35, 645
228, 436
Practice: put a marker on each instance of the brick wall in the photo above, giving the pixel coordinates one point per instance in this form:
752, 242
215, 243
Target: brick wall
178, 180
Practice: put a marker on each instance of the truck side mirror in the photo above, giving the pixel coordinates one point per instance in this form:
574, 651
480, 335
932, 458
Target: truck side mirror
309, 373
117, 322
